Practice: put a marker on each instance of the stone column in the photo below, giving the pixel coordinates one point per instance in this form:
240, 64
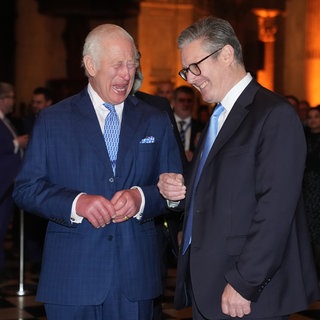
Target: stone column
312, 59
159, 24
267, 30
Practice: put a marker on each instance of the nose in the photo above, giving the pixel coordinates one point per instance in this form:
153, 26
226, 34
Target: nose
126, 72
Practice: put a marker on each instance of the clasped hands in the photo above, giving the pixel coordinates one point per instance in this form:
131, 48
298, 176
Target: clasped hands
100, 211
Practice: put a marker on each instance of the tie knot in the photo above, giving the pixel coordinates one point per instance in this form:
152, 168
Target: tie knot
218, 110
110, 107
182, 123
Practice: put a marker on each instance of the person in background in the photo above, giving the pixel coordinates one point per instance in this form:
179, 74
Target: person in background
301, 106
35, 226
167, 224
311, 180
203, 115
91, 169
183, 102
12, 147
41, 98
303, 109
165, 89
245, 250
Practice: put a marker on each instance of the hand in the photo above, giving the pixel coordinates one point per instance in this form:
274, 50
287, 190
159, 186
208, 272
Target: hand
126, 204
96, 209
189, 155
23, 141
233, 304
171, 186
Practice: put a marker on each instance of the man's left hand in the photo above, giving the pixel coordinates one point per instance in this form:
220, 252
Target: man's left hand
233, 304
126, 203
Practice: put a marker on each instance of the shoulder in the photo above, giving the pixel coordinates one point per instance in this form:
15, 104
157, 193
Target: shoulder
149, 106
155, 101
68, 105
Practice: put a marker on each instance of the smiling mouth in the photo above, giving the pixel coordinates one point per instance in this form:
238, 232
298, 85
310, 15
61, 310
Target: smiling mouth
121, 89
203, 85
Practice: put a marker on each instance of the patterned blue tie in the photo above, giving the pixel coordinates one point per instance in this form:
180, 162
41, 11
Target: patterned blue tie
111, 134
210, 137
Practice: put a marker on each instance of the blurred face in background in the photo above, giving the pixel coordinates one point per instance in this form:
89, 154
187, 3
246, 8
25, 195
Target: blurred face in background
7, 102
39, 102
313, 120
165, 90
183, 104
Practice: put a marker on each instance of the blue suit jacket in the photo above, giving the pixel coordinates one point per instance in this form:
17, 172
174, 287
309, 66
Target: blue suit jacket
67, 155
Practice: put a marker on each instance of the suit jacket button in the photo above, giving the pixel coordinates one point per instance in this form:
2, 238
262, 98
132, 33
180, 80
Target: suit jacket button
110, 238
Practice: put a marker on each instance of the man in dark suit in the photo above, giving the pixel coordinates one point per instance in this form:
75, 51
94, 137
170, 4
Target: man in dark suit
101, 258
184, 101
248, 250
11, 147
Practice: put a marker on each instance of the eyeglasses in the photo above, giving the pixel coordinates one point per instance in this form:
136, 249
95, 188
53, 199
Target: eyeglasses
194, 68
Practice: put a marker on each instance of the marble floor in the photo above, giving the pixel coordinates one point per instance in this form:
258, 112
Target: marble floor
17, 295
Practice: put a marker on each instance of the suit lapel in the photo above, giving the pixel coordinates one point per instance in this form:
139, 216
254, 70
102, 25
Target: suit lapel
89, 128
130, 126
230, 126
235, 117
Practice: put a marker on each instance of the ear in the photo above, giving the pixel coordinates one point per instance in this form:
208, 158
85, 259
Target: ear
227, 54
89, 65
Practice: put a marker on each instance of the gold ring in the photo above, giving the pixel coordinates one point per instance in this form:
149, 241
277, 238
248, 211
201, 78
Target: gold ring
126, 217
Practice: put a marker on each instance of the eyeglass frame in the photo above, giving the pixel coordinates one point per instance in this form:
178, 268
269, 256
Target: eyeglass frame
184, 71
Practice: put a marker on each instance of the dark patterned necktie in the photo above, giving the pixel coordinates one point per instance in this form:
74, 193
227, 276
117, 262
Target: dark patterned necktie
182, 132
111, 134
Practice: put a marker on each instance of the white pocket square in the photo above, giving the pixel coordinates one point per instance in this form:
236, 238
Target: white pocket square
148, 140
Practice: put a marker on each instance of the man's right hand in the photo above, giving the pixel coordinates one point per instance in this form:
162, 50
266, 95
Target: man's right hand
171, 186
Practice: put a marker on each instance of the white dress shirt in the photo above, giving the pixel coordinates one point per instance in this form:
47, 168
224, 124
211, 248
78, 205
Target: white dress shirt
102, 112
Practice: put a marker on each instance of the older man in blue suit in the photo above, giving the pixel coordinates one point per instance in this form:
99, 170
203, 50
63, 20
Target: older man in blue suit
100, 257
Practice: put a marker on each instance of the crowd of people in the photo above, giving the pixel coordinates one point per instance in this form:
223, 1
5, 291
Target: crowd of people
117, 184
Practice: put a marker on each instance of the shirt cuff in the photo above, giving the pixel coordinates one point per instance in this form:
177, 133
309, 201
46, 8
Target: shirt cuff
16, 146
172, 204
74, 217
138, 216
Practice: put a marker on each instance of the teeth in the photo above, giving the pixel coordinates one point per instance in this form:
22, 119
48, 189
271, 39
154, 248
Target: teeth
203, 85
120, 89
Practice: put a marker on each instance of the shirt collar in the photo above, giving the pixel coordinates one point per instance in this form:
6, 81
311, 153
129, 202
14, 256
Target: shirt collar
231, 97
98, 103
186, 120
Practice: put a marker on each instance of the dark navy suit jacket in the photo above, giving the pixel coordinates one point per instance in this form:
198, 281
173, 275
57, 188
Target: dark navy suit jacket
249, 225
67, 155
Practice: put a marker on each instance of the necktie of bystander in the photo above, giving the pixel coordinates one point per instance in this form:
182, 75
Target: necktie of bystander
182, 132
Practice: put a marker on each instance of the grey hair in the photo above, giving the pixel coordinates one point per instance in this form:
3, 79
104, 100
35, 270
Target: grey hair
93, 43
215, 33
5, 88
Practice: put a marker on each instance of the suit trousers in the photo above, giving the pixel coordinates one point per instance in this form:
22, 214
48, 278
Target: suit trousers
116, 306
